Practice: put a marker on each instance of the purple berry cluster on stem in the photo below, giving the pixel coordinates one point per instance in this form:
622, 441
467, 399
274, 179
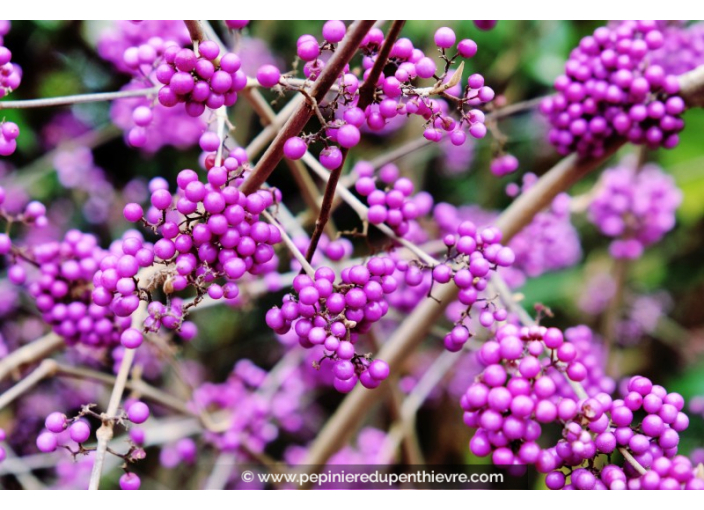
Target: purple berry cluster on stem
611, 89
635, 206
397, 94
10, 78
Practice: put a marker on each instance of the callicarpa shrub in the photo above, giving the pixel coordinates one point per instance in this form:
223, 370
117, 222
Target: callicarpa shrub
274, 246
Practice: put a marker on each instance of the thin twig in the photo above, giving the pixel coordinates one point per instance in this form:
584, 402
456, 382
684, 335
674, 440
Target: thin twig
306, 185
144, 389
221, 122
344, 53
30, 353
195, 30
290, 245
401, 151
411, 447
325, 207
412, 403
28, 463
51, 368
362, 210
210, 32
507, 297
105, 432
265, 136
366, 91
29, 174
77, 99
513, 108
220, 475
45, 369
612, 315
366, 97
692, 87
632, 461
561, 177
24, 475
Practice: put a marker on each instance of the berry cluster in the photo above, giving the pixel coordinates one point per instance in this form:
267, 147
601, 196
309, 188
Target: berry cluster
136, 49
603, 425
213, 231
115, 283
78, 427
683, 49
172, 316
333, 315
76, 169
257, 410
472, 255
396, 94
149, 125
56, 423
10, 78
10, 74
33, 214
132, 46
199, 79
392, 205
60, 431
504, 165
610, 89
62, 291
635, 206
516, 393
548, 243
